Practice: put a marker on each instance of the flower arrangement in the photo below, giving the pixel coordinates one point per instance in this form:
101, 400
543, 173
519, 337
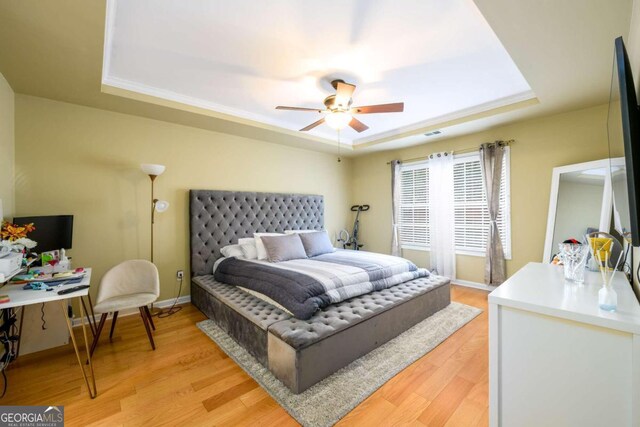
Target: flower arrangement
14, 236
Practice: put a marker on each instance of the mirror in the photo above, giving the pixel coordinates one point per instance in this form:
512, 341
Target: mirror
580, 202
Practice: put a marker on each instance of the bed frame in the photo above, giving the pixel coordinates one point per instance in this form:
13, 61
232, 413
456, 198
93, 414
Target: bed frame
298, 352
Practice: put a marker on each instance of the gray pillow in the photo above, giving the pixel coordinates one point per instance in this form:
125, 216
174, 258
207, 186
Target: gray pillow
283, 248
317, 243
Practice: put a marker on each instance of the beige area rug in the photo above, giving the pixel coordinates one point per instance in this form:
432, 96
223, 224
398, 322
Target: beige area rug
328, 401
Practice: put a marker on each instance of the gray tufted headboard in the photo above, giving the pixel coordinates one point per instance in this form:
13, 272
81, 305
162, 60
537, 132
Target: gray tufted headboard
220, 218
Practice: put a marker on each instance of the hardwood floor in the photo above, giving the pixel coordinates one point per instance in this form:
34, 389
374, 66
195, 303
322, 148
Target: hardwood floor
188, 380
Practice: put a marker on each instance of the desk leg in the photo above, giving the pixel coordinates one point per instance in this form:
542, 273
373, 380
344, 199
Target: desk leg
22, 312
93, 392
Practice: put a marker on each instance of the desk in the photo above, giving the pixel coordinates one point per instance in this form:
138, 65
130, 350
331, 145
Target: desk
21, 298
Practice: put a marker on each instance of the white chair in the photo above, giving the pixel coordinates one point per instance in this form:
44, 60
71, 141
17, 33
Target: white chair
131, 284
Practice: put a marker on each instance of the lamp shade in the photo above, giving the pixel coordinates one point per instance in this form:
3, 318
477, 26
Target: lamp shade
161, 205
338, 119
151, 169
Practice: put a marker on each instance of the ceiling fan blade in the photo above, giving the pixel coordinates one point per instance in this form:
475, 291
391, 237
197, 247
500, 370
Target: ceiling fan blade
357, 125
396, 107
280, 107
343, 94
312, 125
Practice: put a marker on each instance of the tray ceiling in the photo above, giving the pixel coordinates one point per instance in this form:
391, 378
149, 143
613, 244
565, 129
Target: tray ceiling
241, 58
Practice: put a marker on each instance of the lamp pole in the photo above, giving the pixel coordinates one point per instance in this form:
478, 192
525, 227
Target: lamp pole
153, 208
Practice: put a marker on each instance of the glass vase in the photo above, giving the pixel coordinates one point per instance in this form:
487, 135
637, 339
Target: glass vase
573, 257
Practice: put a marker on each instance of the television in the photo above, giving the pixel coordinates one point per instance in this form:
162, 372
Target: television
623, 129
52, 232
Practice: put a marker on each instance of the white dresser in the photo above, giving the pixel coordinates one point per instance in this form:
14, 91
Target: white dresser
556, 359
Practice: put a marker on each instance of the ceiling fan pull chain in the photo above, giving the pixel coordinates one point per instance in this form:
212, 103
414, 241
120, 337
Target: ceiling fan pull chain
339, 159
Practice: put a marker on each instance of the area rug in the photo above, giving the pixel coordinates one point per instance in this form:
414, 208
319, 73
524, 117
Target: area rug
332, 398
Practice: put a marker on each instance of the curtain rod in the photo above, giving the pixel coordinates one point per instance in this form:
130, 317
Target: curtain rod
461, 151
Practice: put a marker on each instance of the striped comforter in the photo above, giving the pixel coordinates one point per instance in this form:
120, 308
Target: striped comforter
304, 286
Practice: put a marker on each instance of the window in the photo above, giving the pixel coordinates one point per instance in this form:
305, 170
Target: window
470, 206
471, 218
413, 222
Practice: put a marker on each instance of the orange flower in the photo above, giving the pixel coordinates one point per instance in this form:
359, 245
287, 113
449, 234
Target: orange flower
13, 232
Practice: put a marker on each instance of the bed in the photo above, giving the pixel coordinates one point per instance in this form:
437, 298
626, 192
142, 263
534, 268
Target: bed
298, 352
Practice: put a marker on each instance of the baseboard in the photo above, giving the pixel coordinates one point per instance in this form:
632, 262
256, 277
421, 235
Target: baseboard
158, 304
475, 285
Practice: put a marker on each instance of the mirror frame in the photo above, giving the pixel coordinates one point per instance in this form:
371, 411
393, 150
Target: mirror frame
607, 198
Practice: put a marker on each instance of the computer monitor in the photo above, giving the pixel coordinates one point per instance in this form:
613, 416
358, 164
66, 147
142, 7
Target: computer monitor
52, 232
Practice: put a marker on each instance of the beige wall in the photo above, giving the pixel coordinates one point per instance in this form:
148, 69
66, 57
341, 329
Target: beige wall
541, 145
85, 162
7, 147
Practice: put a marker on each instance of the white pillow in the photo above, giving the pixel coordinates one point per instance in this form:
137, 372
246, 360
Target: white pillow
299, 231
232, 250
248, 246
262, 252
249, 250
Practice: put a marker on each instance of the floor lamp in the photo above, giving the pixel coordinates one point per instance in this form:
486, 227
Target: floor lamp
156, 205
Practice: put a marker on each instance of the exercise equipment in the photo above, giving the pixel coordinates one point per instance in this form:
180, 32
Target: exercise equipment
351, 241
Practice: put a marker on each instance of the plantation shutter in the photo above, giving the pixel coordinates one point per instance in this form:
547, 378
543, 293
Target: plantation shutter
413, 223
471, 216
470, 206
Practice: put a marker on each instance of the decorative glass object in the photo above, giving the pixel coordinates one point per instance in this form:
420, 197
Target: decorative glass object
608, 298
607, 252
574, 258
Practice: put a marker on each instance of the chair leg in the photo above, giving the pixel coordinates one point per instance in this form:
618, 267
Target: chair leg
103, 319
146, 326
113, 324
146, 309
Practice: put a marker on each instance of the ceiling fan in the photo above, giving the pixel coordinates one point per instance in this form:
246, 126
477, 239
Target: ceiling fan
339, 112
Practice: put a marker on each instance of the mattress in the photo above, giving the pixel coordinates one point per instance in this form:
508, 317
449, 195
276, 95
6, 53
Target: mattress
303, 352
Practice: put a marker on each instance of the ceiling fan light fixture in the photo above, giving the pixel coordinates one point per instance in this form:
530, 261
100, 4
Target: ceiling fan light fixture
338, 120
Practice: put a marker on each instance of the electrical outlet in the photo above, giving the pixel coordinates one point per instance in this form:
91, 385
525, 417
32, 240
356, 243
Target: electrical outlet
180, 274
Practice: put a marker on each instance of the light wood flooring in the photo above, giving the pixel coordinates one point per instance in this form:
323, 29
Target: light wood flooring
188, 380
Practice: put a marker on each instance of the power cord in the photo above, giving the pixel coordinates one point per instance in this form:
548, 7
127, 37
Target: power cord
637, 274
8, 338
173, 309
44, 322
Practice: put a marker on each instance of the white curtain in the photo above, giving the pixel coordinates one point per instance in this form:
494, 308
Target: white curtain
395, 207
441, 215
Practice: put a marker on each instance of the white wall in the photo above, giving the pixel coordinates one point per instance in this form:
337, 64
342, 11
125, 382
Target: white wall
579, 206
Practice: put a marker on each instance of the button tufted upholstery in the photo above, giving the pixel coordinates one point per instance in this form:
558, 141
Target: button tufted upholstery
331, 320
302, 352
220, 218
256, 310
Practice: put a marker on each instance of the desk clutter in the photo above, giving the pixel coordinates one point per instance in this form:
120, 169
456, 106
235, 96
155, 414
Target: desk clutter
35, 279
33, 291
39, 287
36, 275
10, 262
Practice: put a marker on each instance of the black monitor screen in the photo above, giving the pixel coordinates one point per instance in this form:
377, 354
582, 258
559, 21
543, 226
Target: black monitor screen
51, 233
